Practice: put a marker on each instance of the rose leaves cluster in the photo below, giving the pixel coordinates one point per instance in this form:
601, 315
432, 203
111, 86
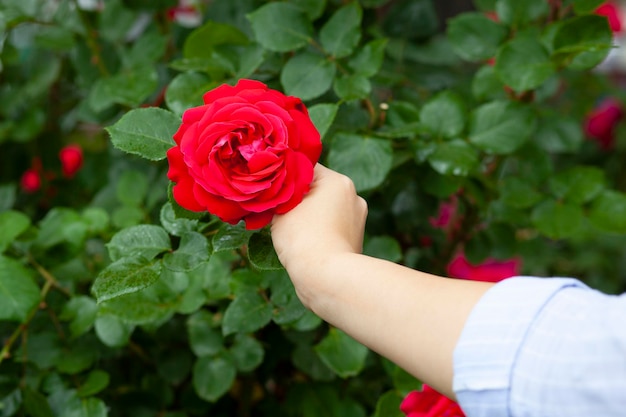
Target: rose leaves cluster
246, 154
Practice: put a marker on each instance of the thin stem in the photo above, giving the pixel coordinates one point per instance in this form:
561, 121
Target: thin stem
6, 348
48, 277
92, 41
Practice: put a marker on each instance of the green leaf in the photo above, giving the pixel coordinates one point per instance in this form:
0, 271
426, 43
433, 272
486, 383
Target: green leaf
388, 405
586, 6
148, 48
475, 37
146, 307
77, 358
247, 313
247, 353
12, 224
204, 340
36, 404
186, 91
130, 88
145, 132
313, 8
307, 75
501, 127
341, 353
608, 212
342, 32
81, 311
322, 116
97, 380
579, 184
7, 195
516, 12
261, 252
287, 306
486, 85
523, 63
61, 225
145, 241
306, 360
18, 292
200, 42
231, 237
368, 60
519, 193
213, 377
112, 331
557, 134
11, 403
558, 220
250, 59
455, 157
383, 247
366, 160
175, 225
132, 188
96, 219
444, 115
352, 87
582, 42
281, 27
192, 251
125, 276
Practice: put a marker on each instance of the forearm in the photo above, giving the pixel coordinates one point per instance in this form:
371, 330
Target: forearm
410, 317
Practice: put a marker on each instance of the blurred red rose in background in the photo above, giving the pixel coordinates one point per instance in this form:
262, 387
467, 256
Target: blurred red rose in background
490, 270
71, 157
30, 181
246, 154
612, 11
600, 122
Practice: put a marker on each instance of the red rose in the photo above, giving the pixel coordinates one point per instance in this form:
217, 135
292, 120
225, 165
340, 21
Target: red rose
71, 157
247, 153
30, 181
601, 121
611, 10
429, 403
489, 271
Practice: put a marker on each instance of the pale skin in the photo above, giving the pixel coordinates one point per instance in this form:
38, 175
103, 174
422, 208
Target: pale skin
410, 317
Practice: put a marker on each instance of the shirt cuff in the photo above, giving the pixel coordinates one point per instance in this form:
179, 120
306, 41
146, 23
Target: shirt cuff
491, 338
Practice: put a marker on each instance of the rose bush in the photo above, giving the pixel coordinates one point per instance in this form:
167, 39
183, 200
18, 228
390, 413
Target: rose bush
247, 153
118, 301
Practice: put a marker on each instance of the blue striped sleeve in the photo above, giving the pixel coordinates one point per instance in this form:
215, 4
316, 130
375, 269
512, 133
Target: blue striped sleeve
543, 347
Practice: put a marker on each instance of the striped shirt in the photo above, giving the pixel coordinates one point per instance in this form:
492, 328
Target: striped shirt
536, 347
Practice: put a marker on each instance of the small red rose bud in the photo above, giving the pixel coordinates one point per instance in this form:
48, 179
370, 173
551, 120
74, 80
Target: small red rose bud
612, 11
71, 157
30, 181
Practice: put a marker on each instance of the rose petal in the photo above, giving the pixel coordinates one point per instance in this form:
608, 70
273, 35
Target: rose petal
227, 210
258, 220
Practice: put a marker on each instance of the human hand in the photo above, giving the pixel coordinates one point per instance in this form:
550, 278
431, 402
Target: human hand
329, 221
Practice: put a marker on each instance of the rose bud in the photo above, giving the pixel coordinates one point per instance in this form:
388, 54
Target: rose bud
71, 157
246, 154
611, 10
30, 181
600, 123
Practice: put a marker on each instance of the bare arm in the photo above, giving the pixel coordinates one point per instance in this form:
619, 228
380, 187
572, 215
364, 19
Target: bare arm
408, 316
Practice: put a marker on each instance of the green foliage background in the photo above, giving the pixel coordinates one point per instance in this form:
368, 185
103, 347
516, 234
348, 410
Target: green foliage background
115, 301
